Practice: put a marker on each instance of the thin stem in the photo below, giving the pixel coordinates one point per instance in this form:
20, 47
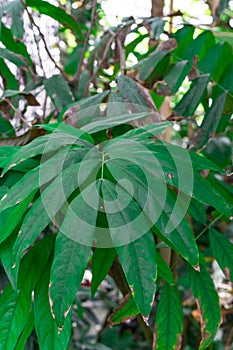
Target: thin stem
43, 39
77, 76
171, 17
208, 226
17, 112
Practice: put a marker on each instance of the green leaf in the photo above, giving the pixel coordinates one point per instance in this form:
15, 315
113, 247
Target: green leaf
138, 260
69, 264
148, 65
56, 13
129, 89
68, 129
169, 319
211, 121
11, 217
37, 177
15, 305
173, 79
157, 26
181, 237
164, 270
6, 129
106, 123
14, 9
203, 290
200, 46
48, 334
184, 38
59, 91
11, 81
84, 109
189, 102
147, 131
126, 310
216, 61
222, 250
7, 38
26, 332
102, 260
42, 145
15, 58
47, 205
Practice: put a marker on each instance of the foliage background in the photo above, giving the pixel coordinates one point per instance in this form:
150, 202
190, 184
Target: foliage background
48, 68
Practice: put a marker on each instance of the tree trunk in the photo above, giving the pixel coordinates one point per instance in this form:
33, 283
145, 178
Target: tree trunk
157, 8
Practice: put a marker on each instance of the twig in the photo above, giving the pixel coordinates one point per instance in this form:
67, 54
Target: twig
122, 55
17, 112
171, 17
77, 75
43, 39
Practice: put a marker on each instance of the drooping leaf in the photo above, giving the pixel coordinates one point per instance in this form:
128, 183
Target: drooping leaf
138, 260
26, 332
102, 260
15, 305
126, 310
7, 38
188, 104
180, 237
70, 261
64, 128
131, 91
106, 123
148, 65
15, 58
218, 58
59, 91
147, 131
37, 177
47, 205
164, 270
6, 129
203, 290
56, 13
11, 82
7, 225
222, 250
200, 46
211, 121
14, 9
173, 79
169, 319
45, 144
184, 38
49, 335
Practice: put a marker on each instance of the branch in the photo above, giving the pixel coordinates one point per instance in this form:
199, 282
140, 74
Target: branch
77, 75
17, 112
44, 41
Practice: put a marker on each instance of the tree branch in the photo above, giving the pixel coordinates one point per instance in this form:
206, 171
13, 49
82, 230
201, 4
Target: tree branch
44, 41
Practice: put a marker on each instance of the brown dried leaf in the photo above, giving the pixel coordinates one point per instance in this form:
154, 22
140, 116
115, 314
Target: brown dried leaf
22, 139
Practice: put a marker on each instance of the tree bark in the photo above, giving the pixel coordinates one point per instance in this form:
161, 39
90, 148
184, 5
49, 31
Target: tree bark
157, 8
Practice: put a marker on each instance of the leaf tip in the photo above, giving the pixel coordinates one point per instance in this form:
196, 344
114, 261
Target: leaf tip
197, 268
